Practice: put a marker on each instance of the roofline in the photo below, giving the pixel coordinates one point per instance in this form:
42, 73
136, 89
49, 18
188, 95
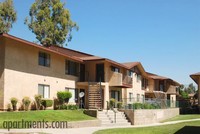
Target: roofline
110, 61
136, 64
38, 46
193, 77
75, 51
164, 78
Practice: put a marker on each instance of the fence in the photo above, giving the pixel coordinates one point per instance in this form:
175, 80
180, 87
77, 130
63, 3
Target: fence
147, 103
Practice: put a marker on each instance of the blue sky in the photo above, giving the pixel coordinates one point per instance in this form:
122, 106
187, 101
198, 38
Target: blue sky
164, 35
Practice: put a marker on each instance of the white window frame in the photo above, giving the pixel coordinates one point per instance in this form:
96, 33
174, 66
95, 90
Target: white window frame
45, 91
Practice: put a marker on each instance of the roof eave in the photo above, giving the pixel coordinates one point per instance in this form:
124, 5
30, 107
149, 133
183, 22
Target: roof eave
38, 46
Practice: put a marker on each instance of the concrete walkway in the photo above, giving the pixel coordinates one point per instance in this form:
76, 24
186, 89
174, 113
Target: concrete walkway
88, 130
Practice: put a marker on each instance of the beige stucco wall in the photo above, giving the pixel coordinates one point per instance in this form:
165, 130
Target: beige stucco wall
23, 74
142, 117
2, 55
136, 89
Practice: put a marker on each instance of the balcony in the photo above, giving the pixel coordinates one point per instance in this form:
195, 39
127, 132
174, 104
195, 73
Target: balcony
117, 80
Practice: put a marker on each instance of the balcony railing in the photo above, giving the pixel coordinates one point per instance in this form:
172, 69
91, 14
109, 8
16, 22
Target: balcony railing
128, 80
117, 79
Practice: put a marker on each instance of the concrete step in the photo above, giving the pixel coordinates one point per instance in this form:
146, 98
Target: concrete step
107, 118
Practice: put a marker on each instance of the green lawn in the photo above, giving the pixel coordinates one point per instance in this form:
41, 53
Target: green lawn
181, 128
47, 115
184, 117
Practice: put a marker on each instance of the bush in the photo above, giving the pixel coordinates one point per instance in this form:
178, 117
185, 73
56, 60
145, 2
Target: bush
112, 103
26, 102
38, 101
9, 107
119, 105
138, 105
47, 103
148, 106
64, 96
68, 107
14, 103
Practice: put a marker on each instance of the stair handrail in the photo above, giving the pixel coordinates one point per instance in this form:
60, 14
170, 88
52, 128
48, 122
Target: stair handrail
115, 117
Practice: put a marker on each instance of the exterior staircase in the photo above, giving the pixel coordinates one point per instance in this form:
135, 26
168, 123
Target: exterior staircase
107, 118
94, 94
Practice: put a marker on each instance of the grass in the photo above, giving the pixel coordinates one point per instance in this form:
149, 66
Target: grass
183, 117
47, 115
180, 128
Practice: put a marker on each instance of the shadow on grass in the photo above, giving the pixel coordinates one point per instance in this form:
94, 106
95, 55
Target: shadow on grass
189, 130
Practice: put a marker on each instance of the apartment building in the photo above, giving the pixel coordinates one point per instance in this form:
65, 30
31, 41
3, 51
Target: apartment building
161, 87
27, 69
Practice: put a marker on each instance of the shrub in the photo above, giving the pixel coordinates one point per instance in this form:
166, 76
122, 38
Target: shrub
119, 105
68, 107
148, 106
47, 103
9, 107
64, 96
138, 105
14, 103
56, 104
72, 107
38, 101
112, 103
26, 102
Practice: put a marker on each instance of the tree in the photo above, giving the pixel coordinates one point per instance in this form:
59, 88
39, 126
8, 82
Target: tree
8, 16
50, 22
191, 89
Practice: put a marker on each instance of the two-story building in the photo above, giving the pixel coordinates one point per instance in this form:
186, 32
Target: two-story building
27, 69
163, 88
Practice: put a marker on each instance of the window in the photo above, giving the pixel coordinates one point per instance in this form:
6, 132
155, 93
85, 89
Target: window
44, 90
44, 59
130, 97
161, 85
74, 93
138, 97
138, 77
144, 83
71, 68
130, 73
143, 99
115, 69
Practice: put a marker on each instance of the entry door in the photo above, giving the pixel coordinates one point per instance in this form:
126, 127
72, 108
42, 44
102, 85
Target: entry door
99, 72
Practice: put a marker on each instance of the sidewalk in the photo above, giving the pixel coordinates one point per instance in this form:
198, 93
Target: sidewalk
88, 130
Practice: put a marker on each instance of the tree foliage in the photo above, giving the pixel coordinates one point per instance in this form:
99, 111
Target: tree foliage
50, 22
8, 16
185, 91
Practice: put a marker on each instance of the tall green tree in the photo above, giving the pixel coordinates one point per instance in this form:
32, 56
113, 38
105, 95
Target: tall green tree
8, 16
50, 22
